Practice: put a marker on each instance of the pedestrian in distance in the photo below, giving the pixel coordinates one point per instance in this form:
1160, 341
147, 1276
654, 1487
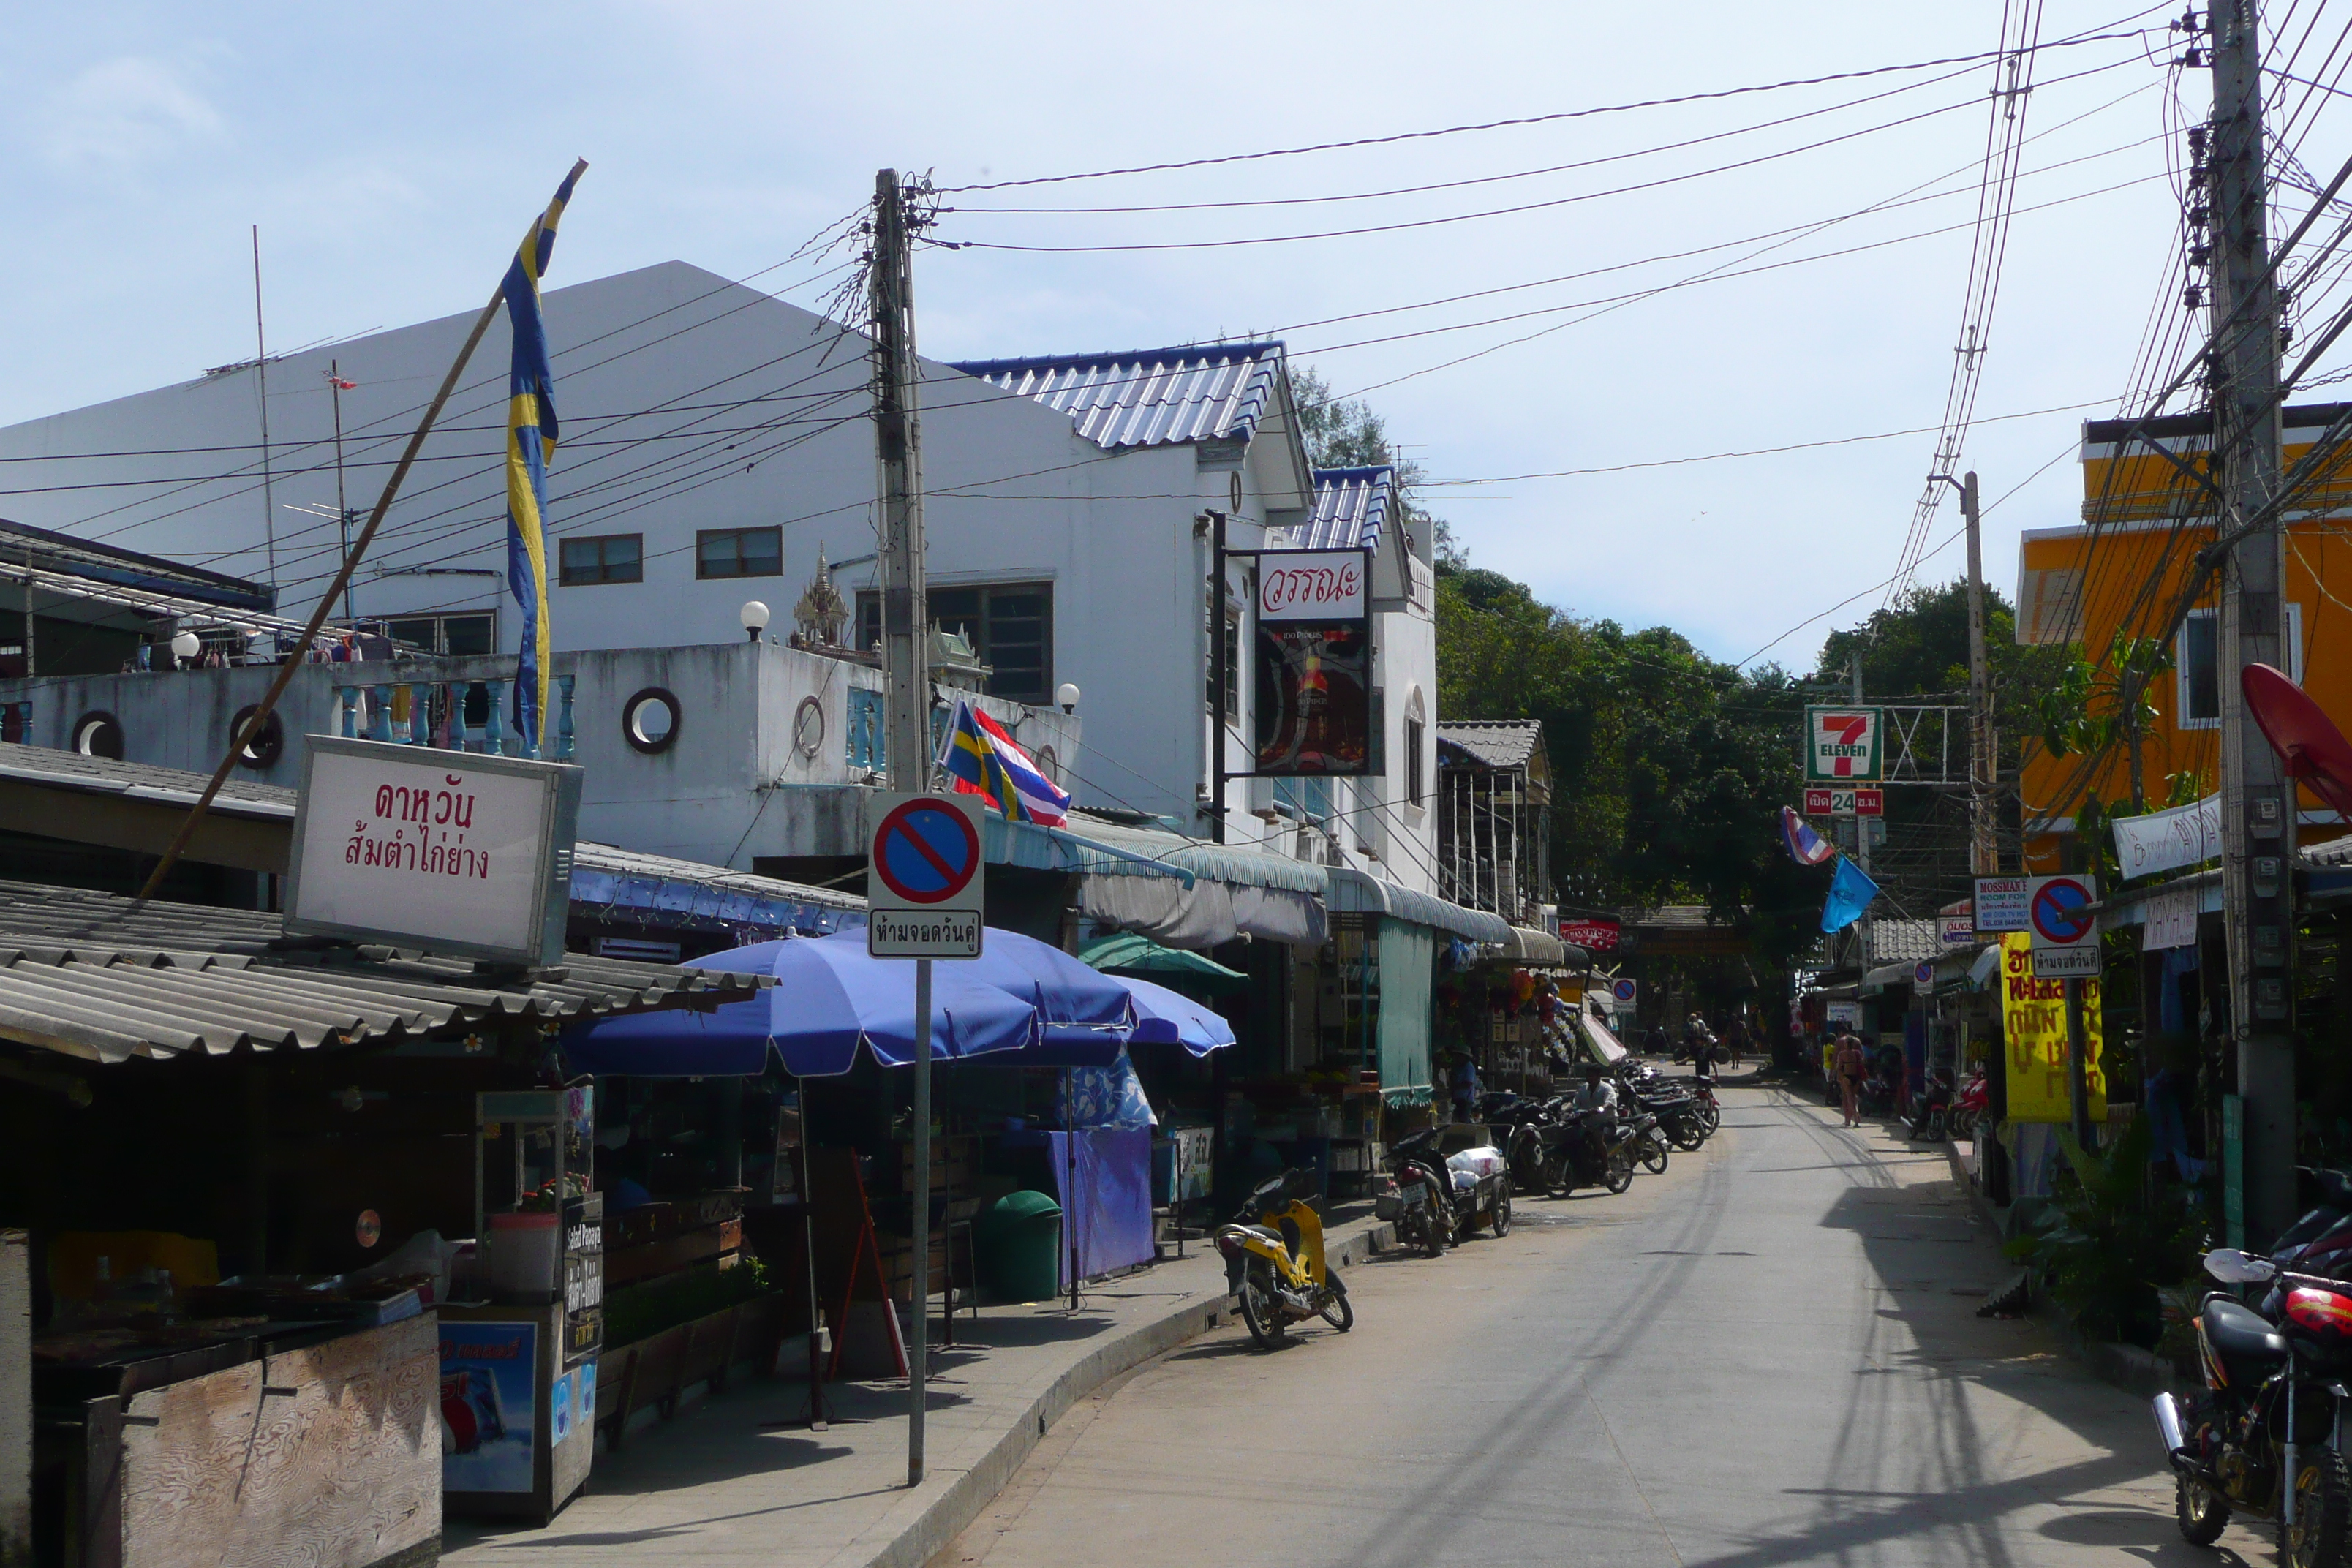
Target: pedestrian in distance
1852, 1066
1702, 1055
1463, 1084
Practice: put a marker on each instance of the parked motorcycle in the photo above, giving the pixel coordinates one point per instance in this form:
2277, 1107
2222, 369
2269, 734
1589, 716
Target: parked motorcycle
1273, 1263
1969, 1107
1650, 1144
2264, 1438
1598, 1152
1478, 1180
1417, 1202
1878, 1095
1931, 1116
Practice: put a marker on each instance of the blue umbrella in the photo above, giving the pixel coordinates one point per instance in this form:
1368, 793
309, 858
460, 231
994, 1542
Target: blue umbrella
829, 999
1167, 1017
1066, 990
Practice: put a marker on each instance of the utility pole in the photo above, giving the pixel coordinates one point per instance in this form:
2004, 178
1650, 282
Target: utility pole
1984, 768
2257, 802
907, 686
342, 510
1862, 829
261, 370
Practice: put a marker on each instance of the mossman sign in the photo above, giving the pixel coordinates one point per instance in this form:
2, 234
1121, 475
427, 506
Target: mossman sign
444, 851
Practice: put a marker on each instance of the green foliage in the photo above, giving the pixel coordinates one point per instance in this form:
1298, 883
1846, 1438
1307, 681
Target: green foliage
2090, 707
2104, 1248
644, 1310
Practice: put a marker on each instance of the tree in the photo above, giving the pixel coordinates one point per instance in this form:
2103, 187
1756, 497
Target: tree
1344, 433
2090, 707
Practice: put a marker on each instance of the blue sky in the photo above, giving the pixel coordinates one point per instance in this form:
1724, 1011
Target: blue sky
391, 154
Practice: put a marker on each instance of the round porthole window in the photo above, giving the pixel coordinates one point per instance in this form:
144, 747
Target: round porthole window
98, 734
808, 727
1049, 765
649, 720
263, 750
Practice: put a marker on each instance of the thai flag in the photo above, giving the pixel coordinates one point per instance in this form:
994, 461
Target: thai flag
1805, 847
981, 759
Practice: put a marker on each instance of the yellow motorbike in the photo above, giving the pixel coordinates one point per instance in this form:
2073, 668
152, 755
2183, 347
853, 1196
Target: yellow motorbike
1273, 1263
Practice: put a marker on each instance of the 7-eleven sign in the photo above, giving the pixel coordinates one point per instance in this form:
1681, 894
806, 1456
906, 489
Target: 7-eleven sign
1842, 744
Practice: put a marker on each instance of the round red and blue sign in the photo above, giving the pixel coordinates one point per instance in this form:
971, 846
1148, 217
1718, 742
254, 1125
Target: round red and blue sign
926, 851
2060, 912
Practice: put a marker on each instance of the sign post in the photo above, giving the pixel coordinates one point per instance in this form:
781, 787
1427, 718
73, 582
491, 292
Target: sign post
923, 891
2066, 937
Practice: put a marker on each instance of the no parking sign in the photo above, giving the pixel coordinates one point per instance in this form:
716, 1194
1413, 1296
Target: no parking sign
923, 877
2064, 927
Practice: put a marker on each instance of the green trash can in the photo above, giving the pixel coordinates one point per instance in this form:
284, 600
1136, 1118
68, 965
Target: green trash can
1017, 1242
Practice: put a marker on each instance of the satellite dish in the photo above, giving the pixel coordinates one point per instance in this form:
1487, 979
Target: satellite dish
2315, 752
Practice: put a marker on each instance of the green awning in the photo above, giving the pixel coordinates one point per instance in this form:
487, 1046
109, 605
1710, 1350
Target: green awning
1127, 953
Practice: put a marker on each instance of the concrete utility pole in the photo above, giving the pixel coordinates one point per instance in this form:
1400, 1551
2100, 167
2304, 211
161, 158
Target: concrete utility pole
1862, 827
2257, 801
907, 686
1984, 759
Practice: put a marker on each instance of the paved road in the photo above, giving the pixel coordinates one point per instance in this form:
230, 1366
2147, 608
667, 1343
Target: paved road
1767, 1356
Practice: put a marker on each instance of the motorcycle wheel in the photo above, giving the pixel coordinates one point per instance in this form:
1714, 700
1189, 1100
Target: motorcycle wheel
1261, 1315
1337, 1310
2323, 1501
1939, 1127
1710, 1117
1687, 1138
1653, 1154
1432, 1231
1557, 1180
1501, 1225
2199, 1511
1621, 1169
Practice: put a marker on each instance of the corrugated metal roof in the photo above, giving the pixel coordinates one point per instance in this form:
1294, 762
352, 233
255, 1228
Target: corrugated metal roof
1152, 398
1352, 890
1109, 849
602, 877
1351, 505
1498, 743
82, 974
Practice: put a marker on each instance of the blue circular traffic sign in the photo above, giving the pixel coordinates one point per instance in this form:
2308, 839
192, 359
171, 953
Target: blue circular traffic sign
926, 851
2060, 911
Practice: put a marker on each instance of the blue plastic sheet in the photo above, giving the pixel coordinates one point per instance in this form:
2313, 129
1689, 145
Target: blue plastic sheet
1108, 1204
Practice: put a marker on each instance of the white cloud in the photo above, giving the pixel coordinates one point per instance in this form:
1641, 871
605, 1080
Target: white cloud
126, 112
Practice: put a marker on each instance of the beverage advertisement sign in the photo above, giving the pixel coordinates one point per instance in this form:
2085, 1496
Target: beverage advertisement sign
2034, 1023
489, 1405
1313, 658
1843, 744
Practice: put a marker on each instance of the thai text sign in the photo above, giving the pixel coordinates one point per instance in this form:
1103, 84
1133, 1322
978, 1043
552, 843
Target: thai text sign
2000, 903
1313, 660
1842, 744
440, 850
2167, 840
1593, 935
2034, 1024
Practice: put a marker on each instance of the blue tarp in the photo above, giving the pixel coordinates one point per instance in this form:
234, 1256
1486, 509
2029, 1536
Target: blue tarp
1107, 1204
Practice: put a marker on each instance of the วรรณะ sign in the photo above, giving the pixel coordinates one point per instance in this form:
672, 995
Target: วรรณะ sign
444, 851
1313, 665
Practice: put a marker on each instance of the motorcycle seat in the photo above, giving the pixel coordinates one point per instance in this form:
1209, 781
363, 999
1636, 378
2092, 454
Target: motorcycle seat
2243, 1338
1268, 1232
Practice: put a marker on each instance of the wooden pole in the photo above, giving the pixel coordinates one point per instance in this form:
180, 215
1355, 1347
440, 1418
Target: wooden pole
260, 715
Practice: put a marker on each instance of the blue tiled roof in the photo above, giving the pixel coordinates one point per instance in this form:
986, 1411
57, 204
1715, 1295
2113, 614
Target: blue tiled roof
1202, 392
1350, 506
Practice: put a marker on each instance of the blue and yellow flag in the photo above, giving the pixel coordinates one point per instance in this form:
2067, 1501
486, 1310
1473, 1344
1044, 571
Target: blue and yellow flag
530, 441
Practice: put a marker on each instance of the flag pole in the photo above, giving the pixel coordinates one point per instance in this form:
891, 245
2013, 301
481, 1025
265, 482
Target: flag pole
292, 661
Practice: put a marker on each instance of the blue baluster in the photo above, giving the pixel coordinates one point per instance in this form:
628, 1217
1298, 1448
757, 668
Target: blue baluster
565, 743
347, 705
420, 714
494, 733
379, 712
456, 694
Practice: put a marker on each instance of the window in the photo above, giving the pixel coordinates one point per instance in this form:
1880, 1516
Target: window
1412, 733
457, 635
1010, 625
609, 558
2198, 659
1232, 667
739, 552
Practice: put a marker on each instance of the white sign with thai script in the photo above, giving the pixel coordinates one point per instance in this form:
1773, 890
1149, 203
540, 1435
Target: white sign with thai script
1311, 585
2171, 921
2167, 840
443, 851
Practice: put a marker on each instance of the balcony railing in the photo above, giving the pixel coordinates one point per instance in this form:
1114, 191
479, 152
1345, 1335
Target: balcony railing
433, 713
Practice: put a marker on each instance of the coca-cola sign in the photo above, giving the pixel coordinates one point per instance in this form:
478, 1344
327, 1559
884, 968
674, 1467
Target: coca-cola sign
1310, 585
443, 851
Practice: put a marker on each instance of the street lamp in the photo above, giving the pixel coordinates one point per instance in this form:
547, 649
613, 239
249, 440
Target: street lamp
185, 645
1066, 694
754, 616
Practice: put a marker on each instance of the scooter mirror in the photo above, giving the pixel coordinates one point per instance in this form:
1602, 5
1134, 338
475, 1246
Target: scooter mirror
2232, 1267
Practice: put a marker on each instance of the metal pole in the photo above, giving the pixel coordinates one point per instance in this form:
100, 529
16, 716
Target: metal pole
261, 369
2257, 802
919, 1226
1861, 836
342, 511
1070, 1174
1983, 766
1220, 673
808, 1258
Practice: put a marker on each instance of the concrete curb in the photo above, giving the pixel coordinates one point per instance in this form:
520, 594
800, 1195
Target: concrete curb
2127, 1367
957, 1500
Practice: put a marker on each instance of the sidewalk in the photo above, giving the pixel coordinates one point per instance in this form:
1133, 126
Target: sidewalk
740, 1477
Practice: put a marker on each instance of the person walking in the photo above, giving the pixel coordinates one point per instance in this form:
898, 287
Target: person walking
1702, 1055
1851, 1065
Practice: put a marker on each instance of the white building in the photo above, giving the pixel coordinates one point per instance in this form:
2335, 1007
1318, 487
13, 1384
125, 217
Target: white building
716, 442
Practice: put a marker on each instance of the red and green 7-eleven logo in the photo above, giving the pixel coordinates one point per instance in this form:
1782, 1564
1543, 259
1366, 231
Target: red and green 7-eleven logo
1842, 743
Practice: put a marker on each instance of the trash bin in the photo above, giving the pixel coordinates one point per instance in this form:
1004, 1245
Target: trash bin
1017, 1242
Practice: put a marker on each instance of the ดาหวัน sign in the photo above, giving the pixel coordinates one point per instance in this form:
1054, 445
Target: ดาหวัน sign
1313, 665
443, 851
2034, 1023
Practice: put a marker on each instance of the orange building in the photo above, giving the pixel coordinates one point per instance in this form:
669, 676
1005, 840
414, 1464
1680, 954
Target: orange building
2123, 569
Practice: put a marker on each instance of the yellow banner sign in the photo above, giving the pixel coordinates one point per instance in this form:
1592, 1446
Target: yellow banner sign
2034, 1023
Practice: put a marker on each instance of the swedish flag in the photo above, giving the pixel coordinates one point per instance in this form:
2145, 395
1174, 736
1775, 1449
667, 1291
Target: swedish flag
530, 441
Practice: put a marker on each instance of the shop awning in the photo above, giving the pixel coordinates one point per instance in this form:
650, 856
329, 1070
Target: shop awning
1130, 952
1887, 974
674, 892
1535, 949
1357, 892
83, 974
